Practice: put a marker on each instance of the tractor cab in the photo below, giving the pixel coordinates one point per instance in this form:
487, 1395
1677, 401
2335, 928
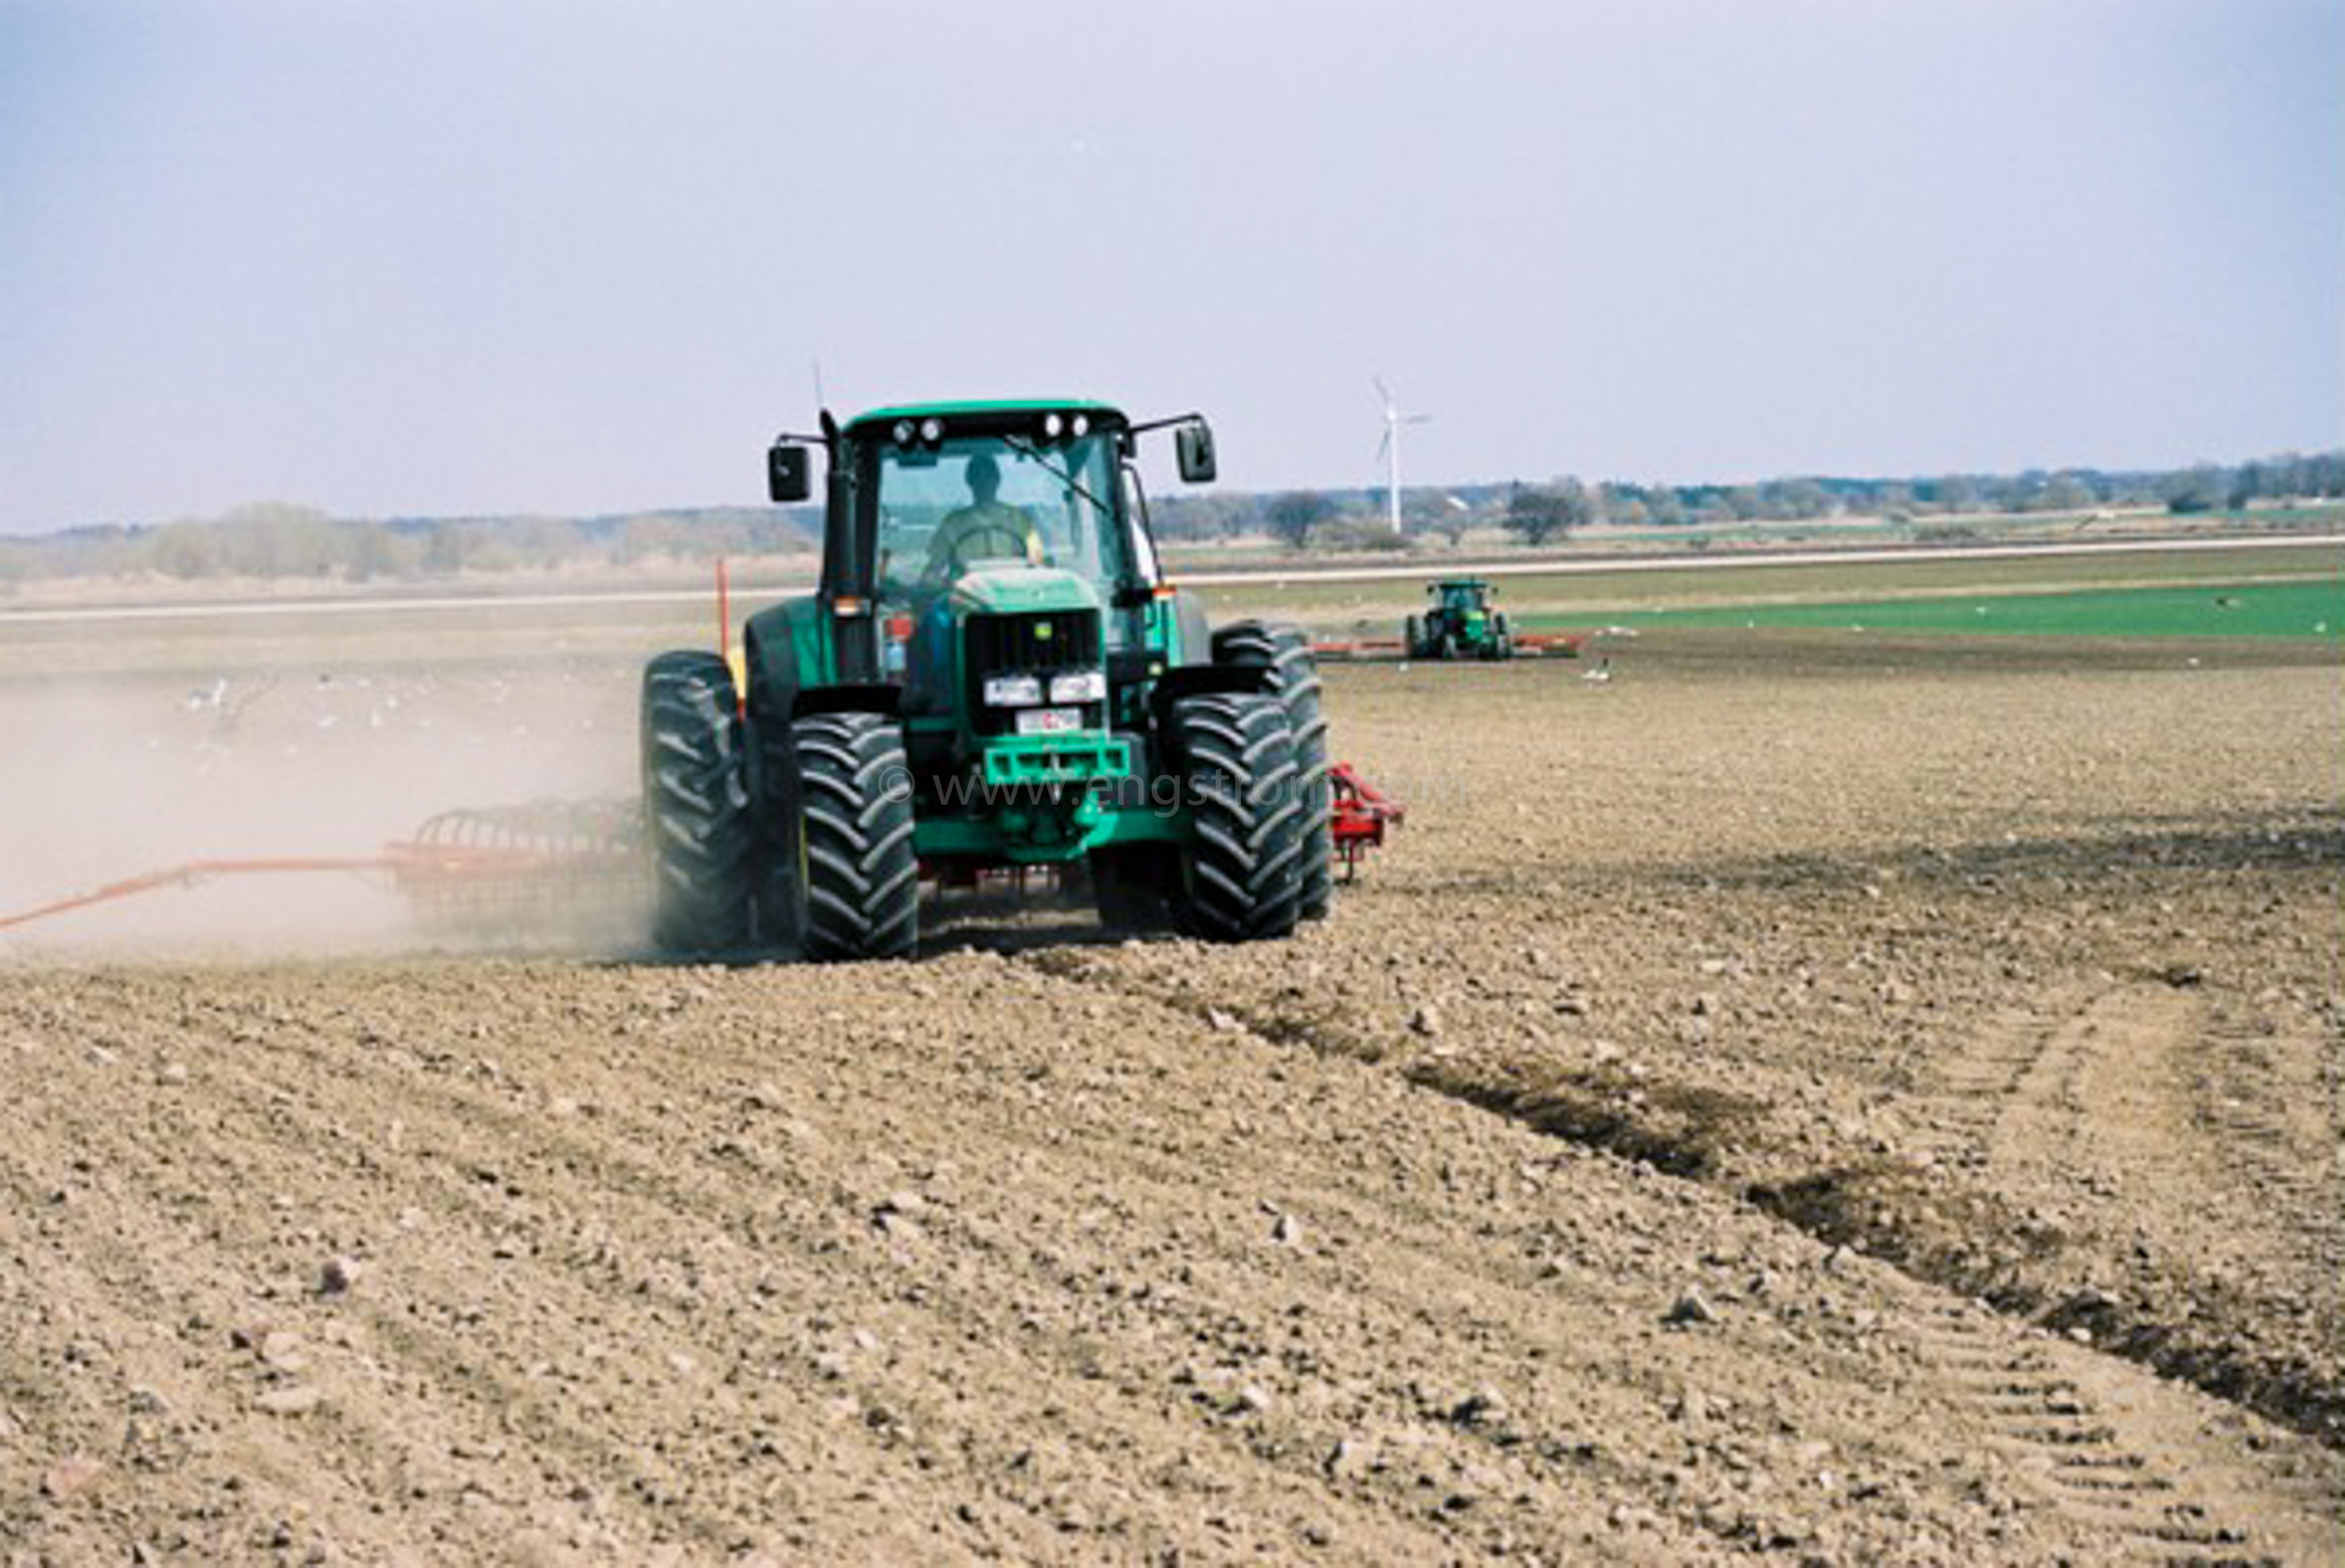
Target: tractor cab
989, 566
1465, 601
992, 517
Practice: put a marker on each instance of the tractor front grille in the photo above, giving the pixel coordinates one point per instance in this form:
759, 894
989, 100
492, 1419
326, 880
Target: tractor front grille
1054, 640
1051, 642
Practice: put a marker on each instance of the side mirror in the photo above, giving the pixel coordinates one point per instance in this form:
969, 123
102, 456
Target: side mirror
787, 477
1194, 445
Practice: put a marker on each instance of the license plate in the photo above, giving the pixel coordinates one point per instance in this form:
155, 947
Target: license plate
1049, 721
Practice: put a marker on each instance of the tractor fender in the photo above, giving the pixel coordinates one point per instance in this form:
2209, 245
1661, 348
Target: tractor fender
848, 698
1206, 680
1214, 680
1191, 629
774, 648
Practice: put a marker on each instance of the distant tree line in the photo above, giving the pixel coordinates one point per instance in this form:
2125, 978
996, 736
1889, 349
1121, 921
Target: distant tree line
275, 541
1545, 512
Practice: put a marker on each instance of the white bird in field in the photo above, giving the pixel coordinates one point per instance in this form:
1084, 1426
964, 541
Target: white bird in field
1601, 673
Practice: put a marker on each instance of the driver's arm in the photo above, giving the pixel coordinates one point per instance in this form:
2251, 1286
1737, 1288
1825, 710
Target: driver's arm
940, 566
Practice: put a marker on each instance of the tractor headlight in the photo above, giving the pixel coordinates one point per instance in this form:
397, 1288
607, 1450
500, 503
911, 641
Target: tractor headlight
1013, 691
1087, 685
1051, 427
902, 432
932, 430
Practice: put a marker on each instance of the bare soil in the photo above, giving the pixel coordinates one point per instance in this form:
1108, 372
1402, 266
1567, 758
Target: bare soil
1817, 1099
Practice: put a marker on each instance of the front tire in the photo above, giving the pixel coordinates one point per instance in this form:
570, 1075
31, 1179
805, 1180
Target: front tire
1287, 654
696, 805
1242, 877
860, 878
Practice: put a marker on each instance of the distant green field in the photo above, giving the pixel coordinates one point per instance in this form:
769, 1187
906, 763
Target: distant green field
2300, 610
1827, 593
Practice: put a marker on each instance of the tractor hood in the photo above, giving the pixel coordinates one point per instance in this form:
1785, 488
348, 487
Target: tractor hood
1021, 590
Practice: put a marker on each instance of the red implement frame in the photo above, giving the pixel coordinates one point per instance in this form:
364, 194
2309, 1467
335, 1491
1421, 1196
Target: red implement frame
1361, 814
1365, 650
457, 860
198, 871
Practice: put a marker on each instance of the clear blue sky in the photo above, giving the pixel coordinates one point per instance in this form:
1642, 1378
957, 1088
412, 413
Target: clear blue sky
438, 257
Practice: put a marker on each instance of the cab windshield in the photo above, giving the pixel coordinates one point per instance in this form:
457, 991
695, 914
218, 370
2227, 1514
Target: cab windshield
977, 503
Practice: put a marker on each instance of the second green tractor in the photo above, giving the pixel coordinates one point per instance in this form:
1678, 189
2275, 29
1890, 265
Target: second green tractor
1459, 622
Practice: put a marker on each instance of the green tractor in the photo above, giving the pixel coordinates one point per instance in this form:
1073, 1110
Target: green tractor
992, 673
1461, 624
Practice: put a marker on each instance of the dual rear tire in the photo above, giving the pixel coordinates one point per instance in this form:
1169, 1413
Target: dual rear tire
1239, 877
858, 878
1500, 644
1286, 653
1242, 879
826, 861
697, 806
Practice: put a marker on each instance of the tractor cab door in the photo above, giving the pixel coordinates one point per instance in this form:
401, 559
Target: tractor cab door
1159, 627
1134, 602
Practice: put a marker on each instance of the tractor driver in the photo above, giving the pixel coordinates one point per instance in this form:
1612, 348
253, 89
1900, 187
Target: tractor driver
987, 529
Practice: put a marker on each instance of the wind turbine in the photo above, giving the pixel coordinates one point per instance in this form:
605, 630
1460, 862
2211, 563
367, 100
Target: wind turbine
1390, 448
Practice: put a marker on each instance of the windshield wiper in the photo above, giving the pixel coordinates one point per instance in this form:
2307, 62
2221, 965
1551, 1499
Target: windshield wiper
1024, 448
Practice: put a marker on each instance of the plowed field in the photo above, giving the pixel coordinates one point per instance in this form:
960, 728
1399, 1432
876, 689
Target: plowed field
1808, 1096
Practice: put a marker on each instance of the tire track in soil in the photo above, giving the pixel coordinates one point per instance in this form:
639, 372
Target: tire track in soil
2266, 1101
2088, 1094
1969, 1089
2209, 1133
2039, 1404
2049, 1403
1301, 1026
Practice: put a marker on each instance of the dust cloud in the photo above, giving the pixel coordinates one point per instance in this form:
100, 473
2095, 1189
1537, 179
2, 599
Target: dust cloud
148, 753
